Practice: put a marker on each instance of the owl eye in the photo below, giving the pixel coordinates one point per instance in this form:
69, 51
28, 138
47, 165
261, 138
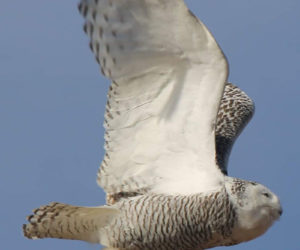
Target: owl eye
267, 195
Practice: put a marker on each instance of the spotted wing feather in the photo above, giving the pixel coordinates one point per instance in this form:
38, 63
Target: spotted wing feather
236, 110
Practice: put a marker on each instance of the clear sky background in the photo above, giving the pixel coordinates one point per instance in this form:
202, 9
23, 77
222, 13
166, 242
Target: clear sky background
52, 99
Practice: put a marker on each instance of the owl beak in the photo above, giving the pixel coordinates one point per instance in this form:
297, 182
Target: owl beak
280, 211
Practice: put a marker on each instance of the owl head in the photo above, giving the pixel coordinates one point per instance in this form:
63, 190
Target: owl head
257, 208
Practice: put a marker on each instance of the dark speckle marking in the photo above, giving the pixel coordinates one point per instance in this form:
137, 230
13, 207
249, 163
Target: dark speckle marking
85, 28
80, 7
97, 47
105, 17
94, 14
100, 30
91, 46
84, 10
107, 48
91, 29
110, 115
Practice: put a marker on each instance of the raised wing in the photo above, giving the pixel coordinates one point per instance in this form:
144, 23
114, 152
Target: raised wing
236, 110
168, 77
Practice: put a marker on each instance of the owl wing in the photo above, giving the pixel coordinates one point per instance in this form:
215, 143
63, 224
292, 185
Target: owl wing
236, 110
168, 75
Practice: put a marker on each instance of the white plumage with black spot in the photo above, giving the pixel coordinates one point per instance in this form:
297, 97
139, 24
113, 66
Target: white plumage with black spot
171, 120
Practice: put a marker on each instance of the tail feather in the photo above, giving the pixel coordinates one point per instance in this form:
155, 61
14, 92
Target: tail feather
63, 221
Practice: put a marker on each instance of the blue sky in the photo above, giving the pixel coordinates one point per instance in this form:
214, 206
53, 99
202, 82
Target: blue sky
52, 102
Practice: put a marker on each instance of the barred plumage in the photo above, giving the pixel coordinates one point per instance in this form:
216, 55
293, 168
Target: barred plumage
186, 222
171, 120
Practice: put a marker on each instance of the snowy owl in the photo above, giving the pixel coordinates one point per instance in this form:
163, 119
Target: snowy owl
171, 120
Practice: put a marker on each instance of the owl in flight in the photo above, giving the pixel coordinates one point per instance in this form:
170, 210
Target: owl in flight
171, 120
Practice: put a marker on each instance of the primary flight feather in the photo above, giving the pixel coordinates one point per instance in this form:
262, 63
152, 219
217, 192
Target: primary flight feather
171, 120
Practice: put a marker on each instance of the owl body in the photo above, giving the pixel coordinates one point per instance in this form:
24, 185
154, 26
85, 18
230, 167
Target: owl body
224, 217
160, 221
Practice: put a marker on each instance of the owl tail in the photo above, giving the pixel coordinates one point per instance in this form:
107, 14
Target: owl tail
63, 221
